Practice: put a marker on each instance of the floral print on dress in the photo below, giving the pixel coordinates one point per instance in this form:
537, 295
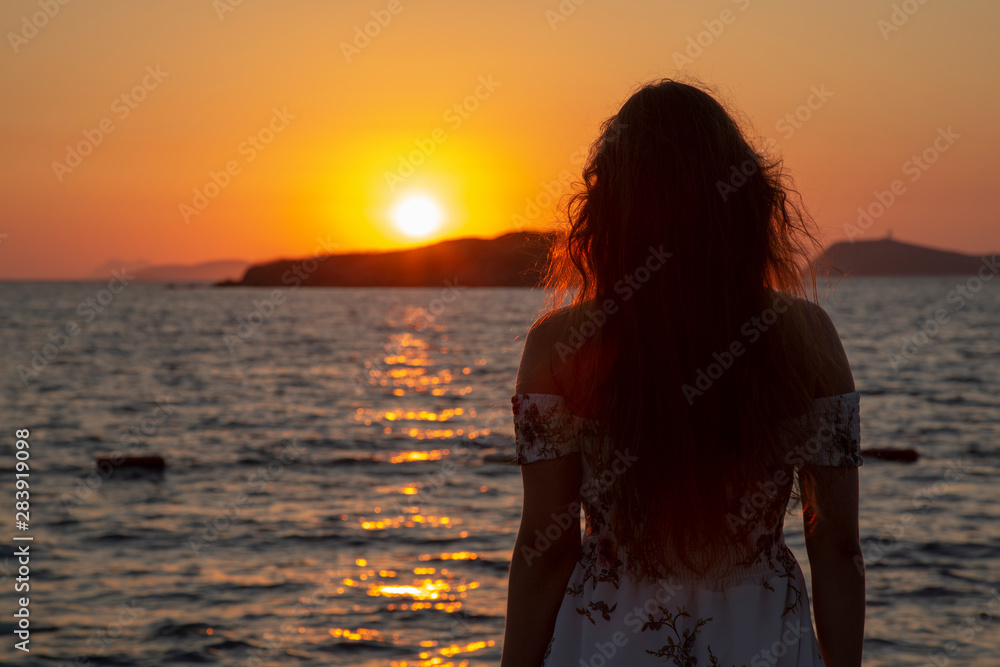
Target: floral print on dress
543, 428
761, 596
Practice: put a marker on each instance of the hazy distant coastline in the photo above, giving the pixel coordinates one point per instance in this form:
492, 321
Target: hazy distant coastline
204, 272
143, 271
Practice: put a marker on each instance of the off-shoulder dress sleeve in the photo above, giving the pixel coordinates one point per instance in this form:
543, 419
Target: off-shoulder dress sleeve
543, 428
832, 432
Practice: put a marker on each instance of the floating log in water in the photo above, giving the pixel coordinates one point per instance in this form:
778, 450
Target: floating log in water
152, 462
891, 454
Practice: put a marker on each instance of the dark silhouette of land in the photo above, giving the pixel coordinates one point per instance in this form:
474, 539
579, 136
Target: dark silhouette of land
205, 272
518, 258
510, 260
887, 257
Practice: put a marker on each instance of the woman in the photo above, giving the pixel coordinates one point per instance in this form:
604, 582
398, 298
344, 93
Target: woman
677, 400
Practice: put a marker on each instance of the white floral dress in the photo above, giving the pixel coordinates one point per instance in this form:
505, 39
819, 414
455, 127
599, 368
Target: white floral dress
746, 614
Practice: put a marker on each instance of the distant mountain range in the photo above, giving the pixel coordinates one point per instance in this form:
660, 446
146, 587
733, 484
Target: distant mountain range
211, 272
205, 272
516, 259
103, 272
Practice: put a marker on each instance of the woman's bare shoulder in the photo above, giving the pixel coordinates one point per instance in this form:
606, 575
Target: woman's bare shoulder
561, 324
534, 375
559, 349
817, 337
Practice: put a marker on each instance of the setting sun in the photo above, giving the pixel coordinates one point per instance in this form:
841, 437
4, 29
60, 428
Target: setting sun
417, 216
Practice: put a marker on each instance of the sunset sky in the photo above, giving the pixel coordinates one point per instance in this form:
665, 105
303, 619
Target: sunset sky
194, 130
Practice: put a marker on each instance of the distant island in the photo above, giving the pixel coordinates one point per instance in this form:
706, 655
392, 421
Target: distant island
511, 260
887, 257
517, 259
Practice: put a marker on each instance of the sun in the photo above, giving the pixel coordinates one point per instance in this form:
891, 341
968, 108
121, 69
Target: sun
417, 216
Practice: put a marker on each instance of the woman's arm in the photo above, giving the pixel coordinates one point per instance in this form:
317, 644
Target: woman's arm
830, 514
548, 540
830, 511
545, 553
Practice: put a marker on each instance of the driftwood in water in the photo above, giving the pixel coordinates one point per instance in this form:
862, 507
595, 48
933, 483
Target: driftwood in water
891, 454
152, 462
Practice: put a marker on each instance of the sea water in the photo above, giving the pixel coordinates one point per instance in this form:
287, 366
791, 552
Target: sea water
337, 489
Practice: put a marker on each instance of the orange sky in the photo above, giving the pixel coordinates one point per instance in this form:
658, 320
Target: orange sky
201, 77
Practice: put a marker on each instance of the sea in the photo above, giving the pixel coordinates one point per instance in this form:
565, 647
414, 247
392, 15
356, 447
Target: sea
338, 491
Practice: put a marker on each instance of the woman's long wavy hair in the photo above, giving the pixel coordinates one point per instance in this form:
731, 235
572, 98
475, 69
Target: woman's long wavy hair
672, 173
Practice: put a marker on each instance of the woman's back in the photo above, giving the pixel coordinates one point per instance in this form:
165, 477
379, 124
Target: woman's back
678, 399
750, 604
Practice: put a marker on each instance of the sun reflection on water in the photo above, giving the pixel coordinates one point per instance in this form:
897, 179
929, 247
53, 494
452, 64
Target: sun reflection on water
408, 522
407, 457
408, 368
410, 371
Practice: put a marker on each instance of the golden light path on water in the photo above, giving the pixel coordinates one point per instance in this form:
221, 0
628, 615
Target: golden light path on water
408, 369
422, 590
